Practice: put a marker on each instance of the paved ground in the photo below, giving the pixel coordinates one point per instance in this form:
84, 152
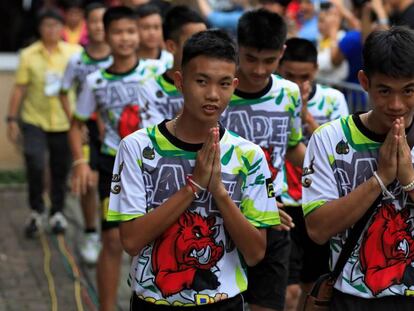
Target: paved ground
23, 282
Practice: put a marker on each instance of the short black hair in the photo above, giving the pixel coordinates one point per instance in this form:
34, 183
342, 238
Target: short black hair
212, 43
70, 4
262, 30
300, 50
177, 17
147, 9
49, 13
92, 7
283, 3
389, 52
116, 13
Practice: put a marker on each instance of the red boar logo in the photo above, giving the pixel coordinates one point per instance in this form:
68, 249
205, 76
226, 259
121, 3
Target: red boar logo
129, 121
387, 250
183, 256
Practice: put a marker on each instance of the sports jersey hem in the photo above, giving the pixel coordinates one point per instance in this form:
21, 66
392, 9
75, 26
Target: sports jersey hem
311, 206
80, 117
116, 216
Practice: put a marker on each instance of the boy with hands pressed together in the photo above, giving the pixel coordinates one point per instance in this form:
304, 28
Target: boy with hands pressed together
193, 198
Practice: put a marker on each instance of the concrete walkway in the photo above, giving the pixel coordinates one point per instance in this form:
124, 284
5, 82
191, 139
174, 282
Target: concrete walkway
23, 282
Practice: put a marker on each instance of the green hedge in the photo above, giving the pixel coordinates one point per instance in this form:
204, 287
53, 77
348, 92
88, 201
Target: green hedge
12, 177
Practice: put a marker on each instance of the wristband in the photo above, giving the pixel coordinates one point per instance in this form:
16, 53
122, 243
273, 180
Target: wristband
193, 189
191, 180
10, 119
409, 187
385, 192
79, 161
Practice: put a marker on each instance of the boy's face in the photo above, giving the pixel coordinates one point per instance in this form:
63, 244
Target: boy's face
73, 17
256, 66
122, 37
95, 25
207, 85
50, 30
390, 98
298, 72
176, 47
150, 31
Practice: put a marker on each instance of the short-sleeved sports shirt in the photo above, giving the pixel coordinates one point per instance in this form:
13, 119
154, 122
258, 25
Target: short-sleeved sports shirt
117, 99
270, 119
161, 93
194, 261
341, 155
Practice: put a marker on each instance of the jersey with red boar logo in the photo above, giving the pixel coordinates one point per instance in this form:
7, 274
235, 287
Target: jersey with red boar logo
342, 155
194, 262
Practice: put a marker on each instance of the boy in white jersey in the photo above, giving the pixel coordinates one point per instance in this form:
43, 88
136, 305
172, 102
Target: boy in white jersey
193, 198
180, 23
113, 93
265, 109
150, 34
320, 104
350, 162
95, 55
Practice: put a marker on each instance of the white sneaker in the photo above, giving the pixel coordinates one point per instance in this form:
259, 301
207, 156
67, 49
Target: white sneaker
58, 223
90, 248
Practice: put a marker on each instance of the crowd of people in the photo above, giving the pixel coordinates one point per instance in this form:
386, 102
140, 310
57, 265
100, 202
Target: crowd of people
215, 158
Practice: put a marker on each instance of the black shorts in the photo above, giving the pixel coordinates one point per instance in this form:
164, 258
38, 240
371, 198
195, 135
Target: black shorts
308, 260
232, 304
267, 280
345, 302
105, 168
94, 144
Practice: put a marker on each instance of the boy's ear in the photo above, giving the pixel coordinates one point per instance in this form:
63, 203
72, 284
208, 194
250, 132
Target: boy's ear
178, 80
235, 83
171, 46
363, 80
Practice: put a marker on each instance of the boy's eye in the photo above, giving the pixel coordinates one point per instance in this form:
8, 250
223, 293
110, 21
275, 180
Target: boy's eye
201, 81
409, 92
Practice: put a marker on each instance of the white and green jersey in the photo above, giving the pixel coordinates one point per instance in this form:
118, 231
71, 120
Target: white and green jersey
79, 66
194, 261
326, 104
270, 119
161, 93
116, 98
161, 64
341, 155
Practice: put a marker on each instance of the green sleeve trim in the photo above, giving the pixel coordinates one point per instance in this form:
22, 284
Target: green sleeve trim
116, 216
259, 219
311, 206
80, 118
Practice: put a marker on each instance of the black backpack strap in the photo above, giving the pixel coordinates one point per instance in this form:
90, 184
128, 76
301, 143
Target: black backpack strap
353, 238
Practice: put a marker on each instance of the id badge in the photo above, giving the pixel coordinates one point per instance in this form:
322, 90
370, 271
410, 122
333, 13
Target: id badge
53, 83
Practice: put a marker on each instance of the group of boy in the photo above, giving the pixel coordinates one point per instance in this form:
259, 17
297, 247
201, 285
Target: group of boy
193, 195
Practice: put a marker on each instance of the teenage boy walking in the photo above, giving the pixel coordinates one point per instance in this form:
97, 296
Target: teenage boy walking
265, 109
113, 93
193, 198
96, 55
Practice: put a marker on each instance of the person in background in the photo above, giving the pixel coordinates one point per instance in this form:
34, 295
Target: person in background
96, 55
74, 29
113, 93
160, 92
265, 109
151, 36
42, 121
320, 104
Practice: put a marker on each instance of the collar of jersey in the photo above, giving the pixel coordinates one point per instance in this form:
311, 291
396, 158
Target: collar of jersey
167, 85
182, 144
88, 59
109, 75
256, 95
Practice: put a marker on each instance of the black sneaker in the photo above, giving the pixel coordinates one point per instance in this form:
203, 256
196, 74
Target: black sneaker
33, 225
58, 223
